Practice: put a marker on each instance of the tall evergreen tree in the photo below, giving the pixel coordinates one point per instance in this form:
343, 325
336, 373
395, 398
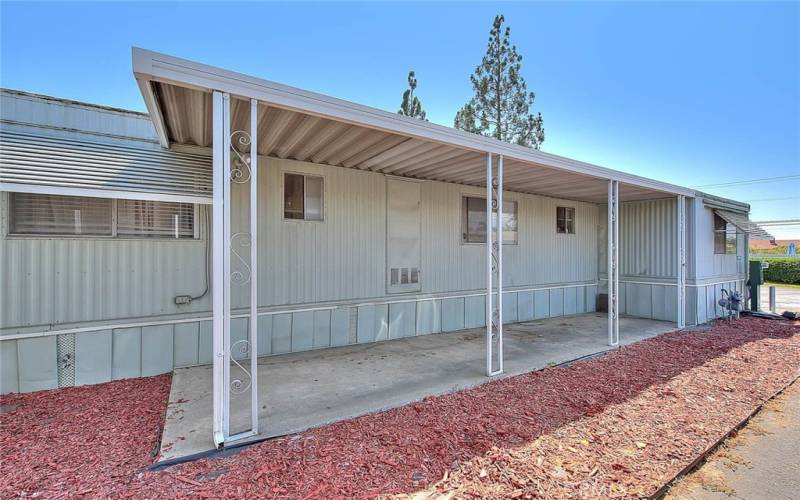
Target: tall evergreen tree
502, 106
411, 105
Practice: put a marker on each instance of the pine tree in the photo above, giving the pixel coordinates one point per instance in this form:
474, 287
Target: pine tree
502, 106
411, 105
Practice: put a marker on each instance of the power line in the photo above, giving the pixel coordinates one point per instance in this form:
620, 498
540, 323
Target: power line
774, 199
750, 181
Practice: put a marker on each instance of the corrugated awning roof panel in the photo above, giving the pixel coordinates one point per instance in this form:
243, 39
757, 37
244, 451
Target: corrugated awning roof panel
298, 124
28, 161
744, 224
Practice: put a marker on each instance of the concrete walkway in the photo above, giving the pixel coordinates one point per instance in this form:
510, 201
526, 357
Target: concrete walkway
302, 390
787, 298
762, 461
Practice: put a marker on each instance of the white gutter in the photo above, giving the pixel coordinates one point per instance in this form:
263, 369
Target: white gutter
152, 66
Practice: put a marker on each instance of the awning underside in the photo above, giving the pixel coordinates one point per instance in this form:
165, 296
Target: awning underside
28, 160
744, 224
294, 135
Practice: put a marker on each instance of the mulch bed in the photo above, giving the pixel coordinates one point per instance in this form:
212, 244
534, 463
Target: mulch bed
618, 425
80, 440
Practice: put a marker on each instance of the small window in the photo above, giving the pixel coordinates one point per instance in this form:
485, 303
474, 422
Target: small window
565, 220
473, 221
724, 236
60, 215
302, 197
155, 219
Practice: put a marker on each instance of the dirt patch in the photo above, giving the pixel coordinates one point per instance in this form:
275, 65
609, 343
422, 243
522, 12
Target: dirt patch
618, 425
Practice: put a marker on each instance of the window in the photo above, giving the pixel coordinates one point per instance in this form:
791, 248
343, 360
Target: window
42, 214
473, 221
155, 219
724, 236
302, 197
61, 215
565, 220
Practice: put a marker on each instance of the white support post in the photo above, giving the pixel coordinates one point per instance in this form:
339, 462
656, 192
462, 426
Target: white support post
218, 167
226, 262
616, 263
254, 265
489, 265
494, 267
610, 262
612, 267
499, 242
681, 264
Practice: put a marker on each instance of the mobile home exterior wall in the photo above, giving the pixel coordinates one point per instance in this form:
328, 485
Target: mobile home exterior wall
77, 310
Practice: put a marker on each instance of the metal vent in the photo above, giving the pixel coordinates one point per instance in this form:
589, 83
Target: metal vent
403, 275
65, 352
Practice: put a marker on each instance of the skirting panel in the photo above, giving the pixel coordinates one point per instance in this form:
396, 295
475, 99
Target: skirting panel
32, 364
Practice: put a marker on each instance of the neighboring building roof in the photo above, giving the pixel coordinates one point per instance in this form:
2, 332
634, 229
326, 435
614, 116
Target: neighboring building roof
767, 244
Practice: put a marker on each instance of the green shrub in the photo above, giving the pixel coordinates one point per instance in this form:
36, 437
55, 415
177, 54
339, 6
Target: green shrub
786, 270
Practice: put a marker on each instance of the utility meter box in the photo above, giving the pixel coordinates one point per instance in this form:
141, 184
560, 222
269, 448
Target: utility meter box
757, 272
756, 279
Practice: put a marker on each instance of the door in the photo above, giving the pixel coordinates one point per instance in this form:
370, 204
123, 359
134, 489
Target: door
403, 271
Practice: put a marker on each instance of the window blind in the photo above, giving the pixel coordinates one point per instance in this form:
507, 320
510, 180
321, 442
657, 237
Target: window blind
155, 219
65, 215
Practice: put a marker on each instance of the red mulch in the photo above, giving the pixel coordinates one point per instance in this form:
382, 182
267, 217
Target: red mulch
610, 426
80, 439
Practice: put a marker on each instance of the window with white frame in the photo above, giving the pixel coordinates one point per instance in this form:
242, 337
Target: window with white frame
724, 236
55, 215
302, 197
565, 220
473, 221
154, 219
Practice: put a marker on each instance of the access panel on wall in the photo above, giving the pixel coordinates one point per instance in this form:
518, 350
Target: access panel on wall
403, 272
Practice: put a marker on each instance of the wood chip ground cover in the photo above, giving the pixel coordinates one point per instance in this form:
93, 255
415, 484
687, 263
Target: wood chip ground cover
615, 426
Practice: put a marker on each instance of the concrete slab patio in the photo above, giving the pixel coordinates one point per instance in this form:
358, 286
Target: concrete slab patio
303, 390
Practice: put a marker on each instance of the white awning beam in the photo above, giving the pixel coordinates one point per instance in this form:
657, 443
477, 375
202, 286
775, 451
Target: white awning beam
744, 224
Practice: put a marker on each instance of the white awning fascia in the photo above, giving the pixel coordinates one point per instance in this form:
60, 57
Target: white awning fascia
151, 66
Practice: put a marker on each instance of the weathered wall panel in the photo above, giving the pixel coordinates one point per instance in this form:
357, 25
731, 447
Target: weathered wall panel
429, 317
9, 375
187, 344
126, 353
36, 359
340, 327
157, 354
453, 314
93, 357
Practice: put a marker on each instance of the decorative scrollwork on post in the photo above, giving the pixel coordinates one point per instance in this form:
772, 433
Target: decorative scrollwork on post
240, 384
240, 162
240, 276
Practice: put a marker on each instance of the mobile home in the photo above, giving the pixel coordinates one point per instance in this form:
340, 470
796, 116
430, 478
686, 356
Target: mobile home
241, 218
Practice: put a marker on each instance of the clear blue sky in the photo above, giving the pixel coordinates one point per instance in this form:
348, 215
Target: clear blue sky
689, 93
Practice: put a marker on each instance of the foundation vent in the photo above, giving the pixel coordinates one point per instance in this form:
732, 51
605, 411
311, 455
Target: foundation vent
65, 352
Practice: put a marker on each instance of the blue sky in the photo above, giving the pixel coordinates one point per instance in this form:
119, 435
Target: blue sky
690, 93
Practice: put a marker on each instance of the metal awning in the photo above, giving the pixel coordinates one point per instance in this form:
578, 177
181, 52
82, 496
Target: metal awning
54, 165
305, 126
744, 224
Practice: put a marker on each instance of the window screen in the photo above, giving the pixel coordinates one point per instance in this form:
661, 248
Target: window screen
724, 236
155, 219
302, 197
474, 221
565, 220
60, 215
